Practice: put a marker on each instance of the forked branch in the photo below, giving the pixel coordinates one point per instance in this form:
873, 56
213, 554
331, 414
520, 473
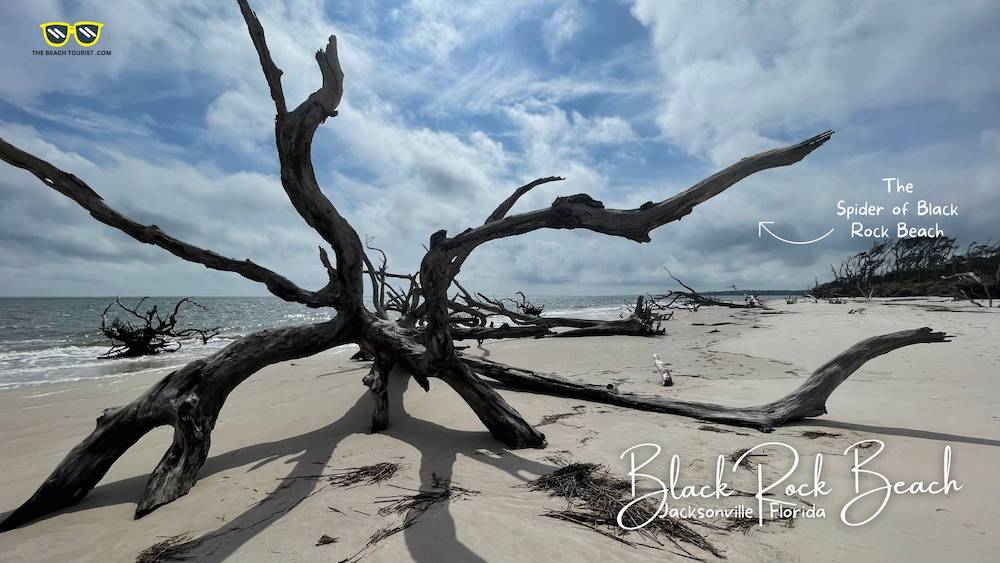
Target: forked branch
583, 212
294, 133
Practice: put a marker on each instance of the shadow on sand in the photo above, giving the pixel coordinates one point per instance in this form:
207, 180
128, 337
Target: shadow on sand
895, 431
432, 539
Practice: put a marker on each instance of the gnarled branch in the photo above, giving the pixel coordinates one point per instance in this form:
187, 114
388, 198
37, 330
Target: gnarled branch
77, 190
293, 136
583, 212
503, 208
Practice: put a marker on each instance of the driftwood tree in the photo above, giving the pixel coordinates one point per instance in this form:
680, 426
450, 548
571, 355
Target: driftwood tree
691, 299
644, 319
155, 335
419, 341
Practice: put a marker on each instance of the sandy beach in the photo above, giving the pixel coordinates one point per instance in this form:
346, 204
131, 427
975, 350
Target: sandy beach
261, 497
239, 240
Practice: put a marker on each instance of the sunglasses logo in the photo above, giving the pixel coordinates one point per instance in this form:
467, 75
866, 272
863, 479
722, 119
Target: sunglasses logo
57, 34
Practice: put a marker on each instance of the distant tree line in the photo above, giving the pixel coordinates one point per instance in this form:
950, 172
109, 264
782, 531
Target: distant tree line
917, 266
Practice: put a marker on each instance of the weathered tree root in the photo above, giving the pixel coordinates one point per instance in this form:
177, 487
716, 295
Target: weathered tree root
808, 400
188, 399
156, 334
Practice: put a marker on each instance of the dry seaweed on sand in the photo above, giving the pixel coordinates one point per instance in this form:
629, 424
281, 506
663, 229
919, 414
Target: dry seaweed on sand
326, 540
442, 490
813, 434
379, 535
720, 430
594, 499
559, 457
365, 475
747, 524
173, 548
412, 507
746, 462
553, 418
354, 476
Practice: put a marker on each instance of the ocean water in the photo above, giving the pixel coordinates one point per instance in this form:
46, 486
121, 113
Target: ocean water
49, 340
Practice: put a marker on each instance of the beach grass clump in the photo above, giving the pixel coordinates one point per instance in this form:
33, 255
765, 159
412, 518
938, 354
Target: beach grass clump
594, 499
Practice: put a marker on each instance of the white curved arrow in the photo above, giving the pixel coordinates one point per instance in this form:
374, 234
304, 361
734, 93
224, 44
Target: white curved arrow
761, 227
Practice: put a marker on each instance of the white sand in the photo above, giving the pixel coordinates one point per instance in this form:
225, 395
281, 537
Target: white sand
302, 418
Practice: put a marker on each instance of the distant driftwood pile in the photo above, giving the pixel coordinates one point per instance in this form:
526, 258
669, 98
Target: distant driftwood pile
154, 335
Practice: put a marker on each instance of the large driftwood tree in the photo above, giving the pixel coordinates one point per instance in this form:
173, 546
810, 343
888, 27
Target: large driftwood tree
416, 335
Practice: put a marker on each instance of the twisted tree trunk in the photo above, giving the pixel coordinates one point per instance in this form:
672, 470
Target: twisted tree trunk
421, 341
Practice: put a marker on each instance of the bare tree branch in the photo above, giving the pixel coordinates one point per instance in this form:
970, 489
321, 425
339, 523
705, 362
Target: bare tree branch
692, 296
508, 203
271, 71
973, 278
148, 338
77, 190
293, 136
583, 212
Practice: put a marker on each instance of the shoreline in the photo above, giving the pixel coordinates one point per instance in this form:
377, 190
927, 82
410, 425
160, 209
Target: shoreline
307, 417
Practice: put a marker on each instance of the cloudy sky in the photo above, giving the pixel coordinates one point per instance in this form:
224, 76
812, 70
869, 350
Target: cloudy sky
449, 106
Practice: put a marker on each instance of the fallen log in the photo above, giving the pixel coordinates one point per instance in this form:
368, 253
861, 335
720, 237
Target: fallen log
808, 400
691, 296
